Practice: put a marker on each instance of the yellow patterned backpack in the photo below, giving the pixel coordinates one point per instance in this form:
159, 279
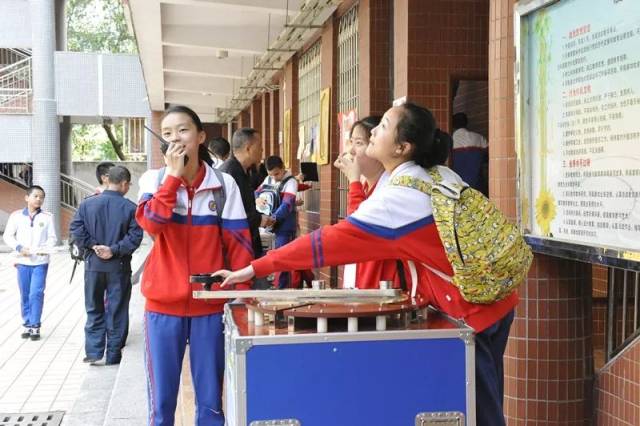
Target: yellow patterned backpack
488, 254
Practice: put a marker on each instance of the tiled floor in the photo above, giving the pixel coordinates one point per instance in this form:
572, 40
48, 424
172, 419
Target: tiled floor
43, 375
47, 375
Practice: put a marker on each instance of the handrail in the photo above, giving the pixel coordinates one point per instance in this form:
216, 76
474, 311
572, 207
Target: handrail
15, 88
73, 190
18, 64
623, 310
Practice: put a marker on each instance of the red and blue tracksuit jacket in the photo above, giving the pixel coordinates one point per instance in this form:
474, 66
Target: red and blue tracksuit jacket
190, 238
369, 274
393, 223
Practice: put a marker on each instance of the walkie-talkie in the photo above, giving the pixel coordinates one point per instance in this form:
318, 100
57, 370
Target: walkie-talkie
164, 145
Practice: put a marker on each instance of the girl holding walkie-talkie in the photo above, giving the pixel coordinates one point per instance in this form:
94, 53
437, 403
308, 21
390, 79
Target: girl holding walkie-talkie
197, 219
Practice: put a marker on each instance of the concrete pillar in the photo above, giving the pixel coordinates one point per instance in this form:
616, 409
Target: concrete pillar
61, 25
45, 140
66, 148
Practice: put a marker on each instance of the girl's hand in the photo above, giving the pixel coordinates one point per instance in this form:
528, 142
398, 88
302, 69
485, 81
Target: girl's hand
174, 159
239, 276
350, 168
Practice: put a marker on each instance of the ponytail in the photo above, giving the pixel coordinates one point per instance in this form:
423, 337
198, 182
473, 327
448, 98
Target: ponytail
204, 155
417, 126
442, 145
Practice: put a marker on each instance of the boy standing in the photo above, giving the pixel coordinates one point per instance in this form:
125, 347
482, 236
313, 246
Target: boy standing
31, 232
284, 216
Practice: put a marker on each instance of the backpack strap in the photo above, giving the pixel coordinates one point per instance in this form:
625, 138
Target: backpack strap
444, 198
449, 190
283, 183
219, 194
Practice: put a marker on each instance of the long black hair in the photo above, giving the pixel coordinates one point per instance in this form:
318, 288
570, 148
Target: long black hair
417, 126
368, 123
203, 152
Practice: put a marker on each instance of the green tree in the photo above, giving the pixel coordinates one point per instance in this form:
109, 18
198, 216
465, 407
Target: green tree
98, 26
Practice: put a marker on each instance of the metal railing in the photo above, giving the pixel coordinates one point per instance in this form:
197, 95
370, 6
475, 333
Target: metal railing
623, 310
15, 87
10, 56
309, 114
73, 191
18, 173
348, 64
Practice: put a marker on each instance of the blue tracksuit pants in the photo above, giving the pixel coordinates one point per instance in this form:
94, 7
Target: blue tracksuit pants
32, 280
490, 346
283, 279
106, 300
166, 338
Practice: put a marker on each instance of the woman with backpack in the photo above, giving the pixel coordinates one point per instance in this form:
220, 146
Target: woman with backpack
396, 221
196, 217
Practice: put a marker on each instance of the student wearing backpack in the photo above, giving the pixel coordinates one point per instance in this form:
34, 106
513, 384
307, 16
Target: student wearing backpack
397, 221
179, 207
278, 195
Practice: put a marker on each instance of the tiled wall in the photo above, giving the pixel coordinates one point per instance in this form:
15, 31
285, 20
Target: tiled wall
549, 360
155, 155
472, 98
446, 41
617, 390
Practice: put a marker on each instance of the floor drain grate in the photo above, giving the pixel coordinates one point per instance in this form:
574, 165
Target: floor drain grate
53, 418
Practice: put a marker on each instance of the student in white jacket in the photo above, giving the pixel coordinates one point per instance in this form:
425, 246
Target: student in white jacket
31, 233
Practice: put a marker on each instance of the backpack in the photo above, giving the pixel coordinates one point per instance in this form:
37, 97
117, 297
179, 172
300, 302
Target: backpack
271, 195
488, 254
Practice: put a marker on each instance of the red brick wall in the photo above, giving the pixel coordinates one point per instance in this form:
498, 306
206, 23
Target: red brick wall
374, 26
244, 118
445, 41
276, 126
265, 130
213, 130
255, 114
157, 160
617, 389
472, 98
549, 358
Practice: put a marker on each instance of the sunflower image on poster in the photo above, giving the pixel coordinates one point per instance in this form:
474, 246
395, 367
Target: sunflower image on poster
545, 203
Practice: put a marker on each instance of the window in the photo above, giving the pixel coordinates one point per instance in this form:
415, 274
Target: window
309, 113
347, 83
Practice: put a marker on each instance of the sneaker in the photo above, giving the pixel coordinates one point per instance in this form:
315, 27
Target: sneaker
35, 334
26, 333
90, 359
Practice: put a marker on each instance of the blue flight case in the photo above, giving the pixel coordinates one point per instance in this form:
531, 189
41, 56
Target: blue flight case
421, 373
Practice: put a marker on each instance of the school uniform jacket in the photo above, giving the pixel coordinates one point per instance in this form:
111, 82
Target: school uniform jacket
34, 232
369, 274
394, 222
189, 238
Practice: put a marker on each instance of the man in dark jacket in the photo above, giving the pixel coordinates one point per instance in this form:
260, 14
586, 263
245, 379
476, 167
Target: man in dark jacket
105, 226
246, 148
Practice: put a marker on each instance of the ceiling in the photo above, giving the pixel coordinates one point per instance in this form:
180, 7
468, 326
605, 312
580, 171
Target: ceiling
216, 55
